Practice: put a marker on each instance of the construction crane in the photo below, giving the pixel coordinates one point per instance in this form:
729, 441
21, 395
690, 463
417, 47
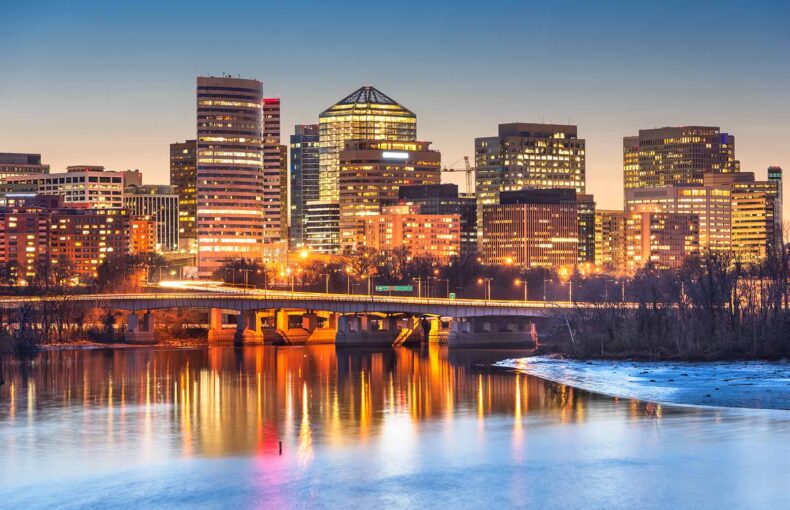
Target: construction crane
468, 169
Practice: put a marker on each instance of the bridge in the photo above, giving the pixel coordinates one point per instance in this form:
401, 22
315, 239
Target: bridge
305, 317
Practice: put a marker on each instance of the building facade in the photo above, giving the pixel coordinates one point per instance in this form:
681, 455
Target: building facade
230, 186
365, 114
88, 236
444, 199
304, 177
435, 236
183, 177
14, 163
531, 229
159, 203
272, 172
142, 235
676, 156
372, 171
528, 155
710, 203
659, 238
610, 240
81, 186
24, 240
322, 226
585, 218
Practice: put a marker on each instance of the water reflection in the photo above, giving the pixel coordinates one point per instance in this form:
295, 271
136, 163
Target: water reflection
224, 401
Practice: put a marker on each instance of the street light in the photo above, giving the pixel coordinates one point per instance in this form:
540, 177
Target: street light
246, 275
519, 282
327, 282
487, 282
446, 280
544, 287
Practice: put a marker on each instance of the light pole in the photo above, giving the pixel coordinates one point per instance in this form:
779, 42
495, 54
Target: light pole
524, 281
326, 276
544, 287
348, 280
419, 287
246, 276
487, 282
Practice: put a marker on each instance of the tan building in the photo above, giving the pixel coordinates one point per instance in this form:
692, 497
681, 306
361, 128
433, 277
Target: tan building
660, 238
756, 217
711, 204
610, 240
422, 235
371, 172
676, 156
532, 228
230, 185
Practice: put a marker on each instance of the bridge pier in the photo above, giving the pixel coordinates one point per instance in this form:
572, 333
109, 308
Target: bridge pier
216, 333
365, 330
491, 331
140, 331
248, 328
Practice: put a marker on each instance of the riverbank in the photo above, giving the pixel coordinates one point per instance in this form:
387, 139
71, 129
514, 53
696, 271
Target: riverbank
88, 345
746, 384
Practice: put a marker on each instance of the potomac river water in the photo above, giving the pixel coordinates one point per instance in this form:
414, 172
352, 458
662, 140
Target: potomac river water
324, 427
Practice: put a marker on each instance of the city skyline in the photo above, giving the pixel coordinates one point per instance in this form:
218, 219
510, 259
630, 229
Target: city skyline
126, 115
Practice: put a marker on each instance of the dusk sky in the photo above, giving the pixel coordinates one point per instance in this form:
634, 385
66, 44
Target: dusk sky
111, 84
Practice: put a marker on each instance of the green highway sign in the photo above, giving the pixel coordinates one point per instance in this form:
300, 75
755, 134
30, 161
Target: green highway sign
452, 295
394, 288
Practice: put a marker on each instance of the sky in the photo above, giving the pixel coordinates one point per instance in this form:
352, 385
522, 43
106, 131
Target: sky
113, 83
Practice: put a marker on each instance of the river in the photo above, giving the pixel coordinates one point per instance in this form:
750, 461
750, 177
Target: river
316, 427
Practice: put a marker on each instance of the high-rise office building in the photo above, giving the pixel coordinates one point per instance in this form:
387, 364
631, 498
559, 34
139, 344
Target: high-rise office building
230, 186
322, 226
756, 211
775, 176
365, 114
676, 156
444, 199
159, 204
436, 236
272, 172
285, 230
371, 171
304, 177
528, 155
659, 238
532, 228
610, 240
13, 163
183, 176
81, 186
710, 203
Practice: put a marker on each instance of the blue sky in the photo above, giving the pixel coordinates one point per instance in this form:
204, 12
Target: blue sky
112, 83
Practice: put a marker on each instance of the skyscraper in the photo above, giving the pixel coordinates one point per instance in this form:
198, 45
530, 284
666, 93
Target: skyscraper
371, 171
676, 156
304, 177
183, 176
365, 114
528, 155
230, 185
659, 238
272, 172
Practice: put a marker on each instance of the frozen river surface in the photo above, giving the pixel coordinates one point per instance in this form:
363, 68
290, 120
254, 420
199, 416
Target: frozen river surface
750, 384
394, 428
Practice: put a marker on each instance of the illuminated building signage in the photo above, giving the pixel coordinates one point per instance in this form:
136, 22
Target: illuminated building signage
395, 155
